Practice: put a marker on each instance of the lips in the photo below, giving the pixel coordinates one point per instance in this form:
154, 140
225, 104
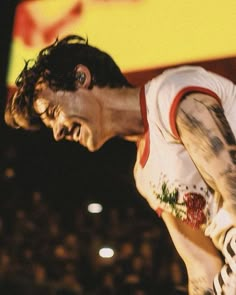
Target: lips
76, 132
72, 133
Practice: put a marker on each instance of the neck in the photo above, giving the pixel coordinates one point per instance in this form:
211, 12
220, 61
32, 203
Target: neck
124, 113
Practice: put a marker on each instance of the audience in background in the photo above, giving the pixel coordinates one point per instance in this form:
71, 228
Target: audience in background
41, 252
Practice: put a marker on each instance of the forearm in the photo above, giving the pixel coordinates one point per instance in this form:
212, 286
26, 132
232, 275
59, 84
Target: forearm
202, 279
202, 270
203, 261
200, 284
199, 287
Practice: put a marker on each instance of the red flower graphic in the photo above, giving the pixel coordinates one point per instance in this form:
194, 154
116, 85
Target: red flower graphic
195, 204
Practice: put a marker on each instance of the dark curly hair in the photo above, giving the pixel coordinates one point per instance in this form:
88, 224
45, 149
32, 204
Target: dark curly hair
56, 66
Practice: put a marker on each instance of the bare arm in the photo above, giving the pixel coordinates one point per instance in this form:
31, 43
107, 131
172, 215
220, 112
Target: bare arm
211, 144
201, 258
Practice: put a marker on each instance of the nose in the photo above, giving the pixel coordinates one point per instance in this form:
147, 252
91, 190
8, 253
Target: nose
59, 131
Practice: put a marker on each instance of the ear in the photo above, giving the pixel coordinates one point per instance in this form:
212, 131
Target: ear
83, 76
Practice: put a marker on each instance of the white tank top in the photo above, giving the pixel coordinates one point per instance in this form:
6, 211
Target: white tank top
164, 172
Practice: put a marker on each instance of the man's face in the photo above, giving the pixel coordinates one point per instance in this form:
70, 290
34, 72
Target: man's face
75, 116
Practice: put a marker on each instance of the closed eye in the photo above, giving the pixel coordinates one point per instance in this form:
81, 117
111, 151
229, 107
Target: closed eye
52, 112
49, 113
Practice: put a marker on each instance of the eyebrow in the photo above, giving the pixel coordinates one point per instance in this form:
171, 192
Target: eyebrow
48, 115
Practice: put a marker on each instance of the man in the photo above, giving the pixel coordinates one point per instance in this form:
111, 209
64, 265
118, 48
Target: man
183, 123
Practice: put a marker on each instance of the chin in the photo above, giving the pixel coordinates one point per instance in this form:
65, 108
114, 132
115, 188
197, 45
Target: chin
93, 147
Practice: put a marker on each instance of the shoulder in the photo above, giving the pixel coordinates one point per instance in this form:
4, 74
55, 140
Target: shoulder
171, 81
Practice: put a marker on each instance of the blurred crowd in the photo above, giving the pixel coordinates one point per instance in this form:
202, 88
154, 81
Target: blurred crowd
45, 249
50, 242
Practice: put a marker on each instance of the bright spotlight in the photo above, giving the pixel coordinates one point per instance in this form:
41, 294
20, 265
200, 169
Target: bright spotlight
95, 208
106, 252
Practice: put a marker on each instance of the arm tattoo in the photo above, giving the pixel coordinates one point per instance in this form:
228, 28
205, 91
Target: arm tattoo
218, 116
199, 286
194, 126
214, 143
211, 143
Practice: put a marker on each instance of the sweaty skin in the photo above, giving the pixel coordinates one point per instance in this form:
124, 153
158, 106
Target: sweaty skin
211, 144
90, 116
200, 256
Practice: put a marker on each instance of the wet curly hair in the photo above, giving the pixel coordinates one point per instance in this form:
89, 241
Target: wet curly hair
56, 66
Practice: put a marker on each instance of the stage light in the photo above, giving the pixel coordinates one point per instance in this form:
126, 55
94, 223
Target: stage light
95, 208
106, 252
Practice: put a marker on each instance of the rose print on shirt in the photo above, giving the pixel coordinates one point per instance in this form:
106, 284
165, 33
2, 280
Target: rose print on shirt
190, 208
195, 205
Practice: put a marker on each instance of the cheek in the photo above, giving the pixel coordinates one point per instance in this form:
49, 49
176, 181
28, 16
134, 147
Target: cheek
89, 109
61, 117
